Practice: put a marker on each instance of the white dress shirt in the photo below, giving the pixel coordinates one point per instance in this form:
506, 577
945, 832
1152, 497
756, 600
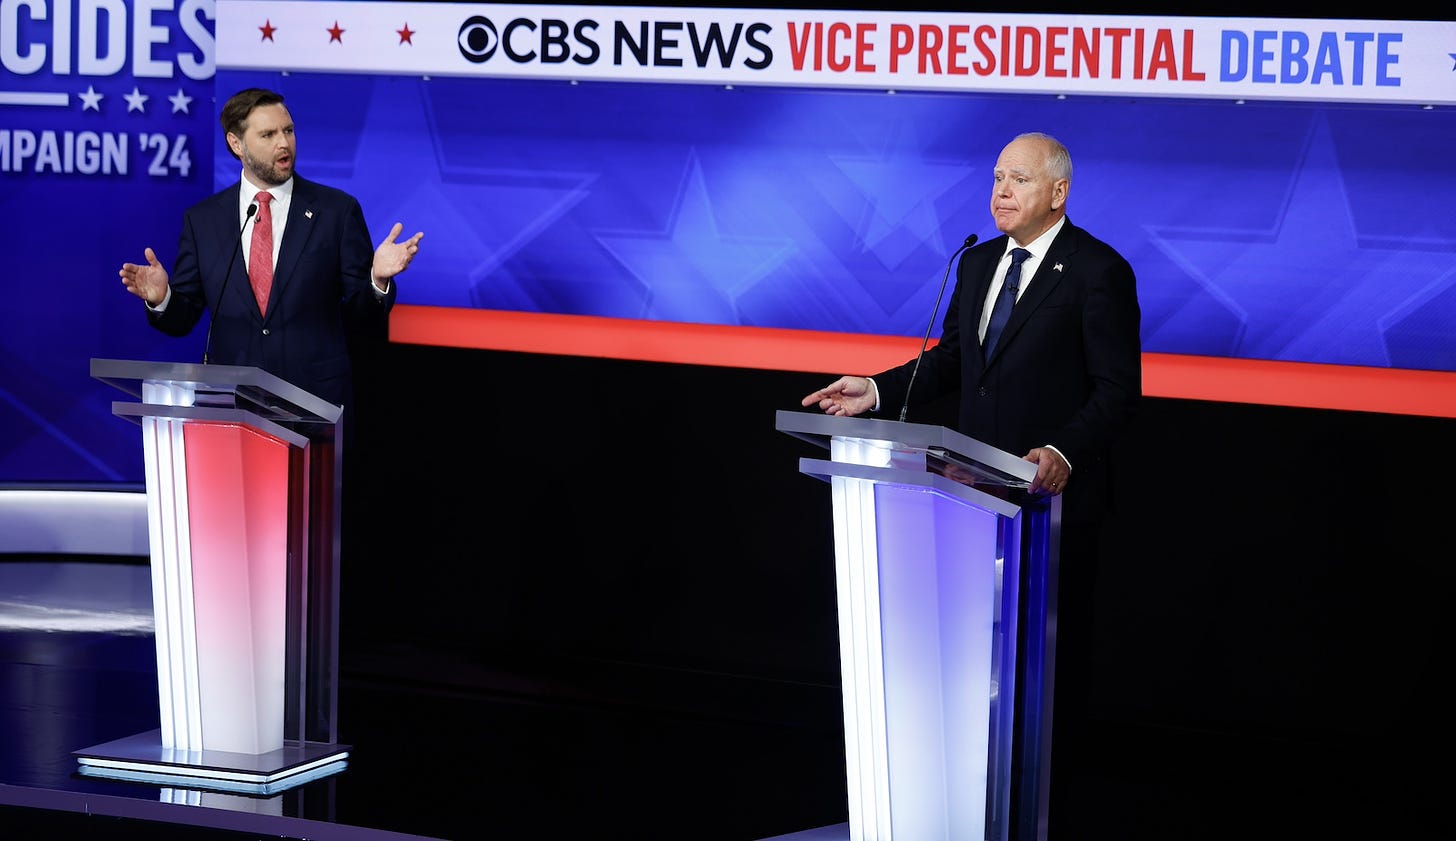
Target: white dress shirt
1038, 248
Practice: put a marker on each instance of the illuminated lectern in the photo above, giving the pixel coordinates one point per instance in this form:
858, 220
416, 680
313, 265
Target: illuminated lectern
243, 474
945, 570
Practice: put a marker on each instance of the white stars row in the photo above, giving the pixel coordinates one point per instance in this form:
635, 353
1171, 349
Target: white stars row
135, 101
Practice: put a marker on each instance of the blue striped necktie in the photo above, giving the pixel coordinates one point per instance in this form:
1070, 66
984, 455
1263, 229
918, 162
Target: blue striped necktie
1001, 311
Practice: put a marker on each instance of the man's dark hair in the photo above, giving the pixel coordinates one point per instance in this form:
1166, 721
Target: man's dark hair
235, 113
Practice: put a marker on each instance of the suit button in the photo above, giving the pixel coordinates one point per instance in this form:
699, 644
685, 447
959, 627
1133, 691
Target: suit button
265, 331
980, 391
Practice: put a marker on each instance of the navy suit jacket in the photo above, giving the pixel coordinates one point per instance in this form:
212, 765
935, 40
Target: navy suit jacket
321, 289
1067, 370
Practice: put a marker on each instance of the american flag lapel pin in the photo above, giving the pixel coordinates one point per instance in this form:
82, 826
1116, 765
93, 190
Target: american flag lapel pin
1057, 267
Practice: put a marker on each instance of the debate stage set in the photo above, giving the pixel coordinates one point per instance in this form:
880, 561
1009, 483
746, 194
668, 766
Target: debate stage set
577, 563
641, 640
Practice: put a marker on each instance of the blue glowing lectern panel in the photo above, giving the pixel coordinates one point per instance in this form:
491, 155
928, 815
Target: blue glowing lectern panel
943, 568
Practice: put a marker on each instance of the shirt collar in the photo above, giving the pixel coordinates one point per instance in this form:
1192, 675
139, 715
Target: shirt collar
1039, 246
282, 192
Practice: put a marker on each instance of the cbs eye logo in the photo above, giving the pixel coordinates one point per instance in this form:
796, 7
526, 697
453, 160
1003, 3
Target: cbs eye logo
478, 39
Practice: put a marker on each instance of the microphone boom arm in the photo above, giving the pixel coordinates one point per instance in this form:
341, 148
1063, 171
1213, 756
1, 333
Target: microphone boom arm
237, 247
904, 409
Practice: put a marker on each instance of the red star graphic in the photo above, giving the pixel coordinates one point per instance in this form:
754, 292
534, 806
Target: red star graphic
336, 34
405, 35
268, 29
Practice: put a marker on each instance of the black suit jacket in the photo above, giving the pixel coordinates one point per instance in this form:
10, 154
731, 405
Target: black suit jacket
1067, 370
321, 289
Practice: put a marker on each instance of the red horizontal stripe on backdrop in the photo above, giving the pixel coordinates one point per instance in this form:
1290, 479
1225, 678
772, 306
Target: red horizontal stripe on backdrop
1355, 388
1297, 384
651, 341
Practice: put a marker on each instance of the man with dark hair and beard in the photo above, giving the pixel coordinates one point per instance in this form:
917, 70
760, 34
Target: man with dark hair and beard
284, 294
291, 278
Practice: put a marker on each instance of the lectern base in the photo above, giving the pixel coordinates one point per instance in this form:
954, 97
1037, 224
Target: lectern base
834, 832
141, 758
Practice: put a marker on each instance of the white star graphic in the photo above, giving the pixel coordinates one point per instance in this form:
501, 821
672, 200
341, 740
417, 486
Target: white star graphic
180, 101
136, 100
91, 100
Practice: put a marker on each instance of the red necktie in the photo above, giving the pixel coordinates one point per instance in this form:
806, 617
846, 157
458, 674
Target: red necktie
260, 253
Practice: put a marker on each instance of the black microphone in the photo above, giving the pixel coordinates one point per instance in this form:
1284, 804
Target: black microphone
237, 247
970, 241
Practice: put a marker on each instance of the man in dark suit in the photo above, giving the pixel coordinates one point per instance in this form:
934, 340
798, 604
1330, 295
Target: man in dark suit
1059, 386
325, 280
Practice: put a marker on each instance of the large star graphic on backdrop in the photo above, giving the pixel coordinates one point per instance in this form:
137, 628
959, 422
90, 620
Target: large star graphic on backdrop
900, 188
1307, 290
903, 190
136, 100
479, 223
480, 217
904, 198
695, 272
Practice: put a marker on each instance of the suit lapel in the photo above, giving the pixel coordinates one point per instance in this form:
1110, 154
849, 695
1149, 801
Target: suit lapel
984, 272
1048, 276
233, 240
973, 307
295, 234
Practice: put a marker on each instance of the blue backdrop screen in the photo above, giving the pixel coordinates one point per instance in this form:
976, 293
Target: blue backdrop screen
1258, 230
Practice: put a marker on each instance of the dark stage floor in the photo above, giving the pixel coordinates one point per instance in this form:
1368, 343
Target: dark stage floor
443, 745
454, 744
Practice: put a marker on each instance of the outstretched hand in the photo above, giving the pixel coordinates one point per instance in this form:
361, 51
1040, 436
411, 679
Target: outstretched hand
147, 281
391, 257
845, 396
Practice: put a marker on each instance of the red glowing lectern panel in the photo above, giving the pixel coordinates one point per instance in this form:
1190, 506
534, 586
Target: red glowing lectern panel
243, 501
